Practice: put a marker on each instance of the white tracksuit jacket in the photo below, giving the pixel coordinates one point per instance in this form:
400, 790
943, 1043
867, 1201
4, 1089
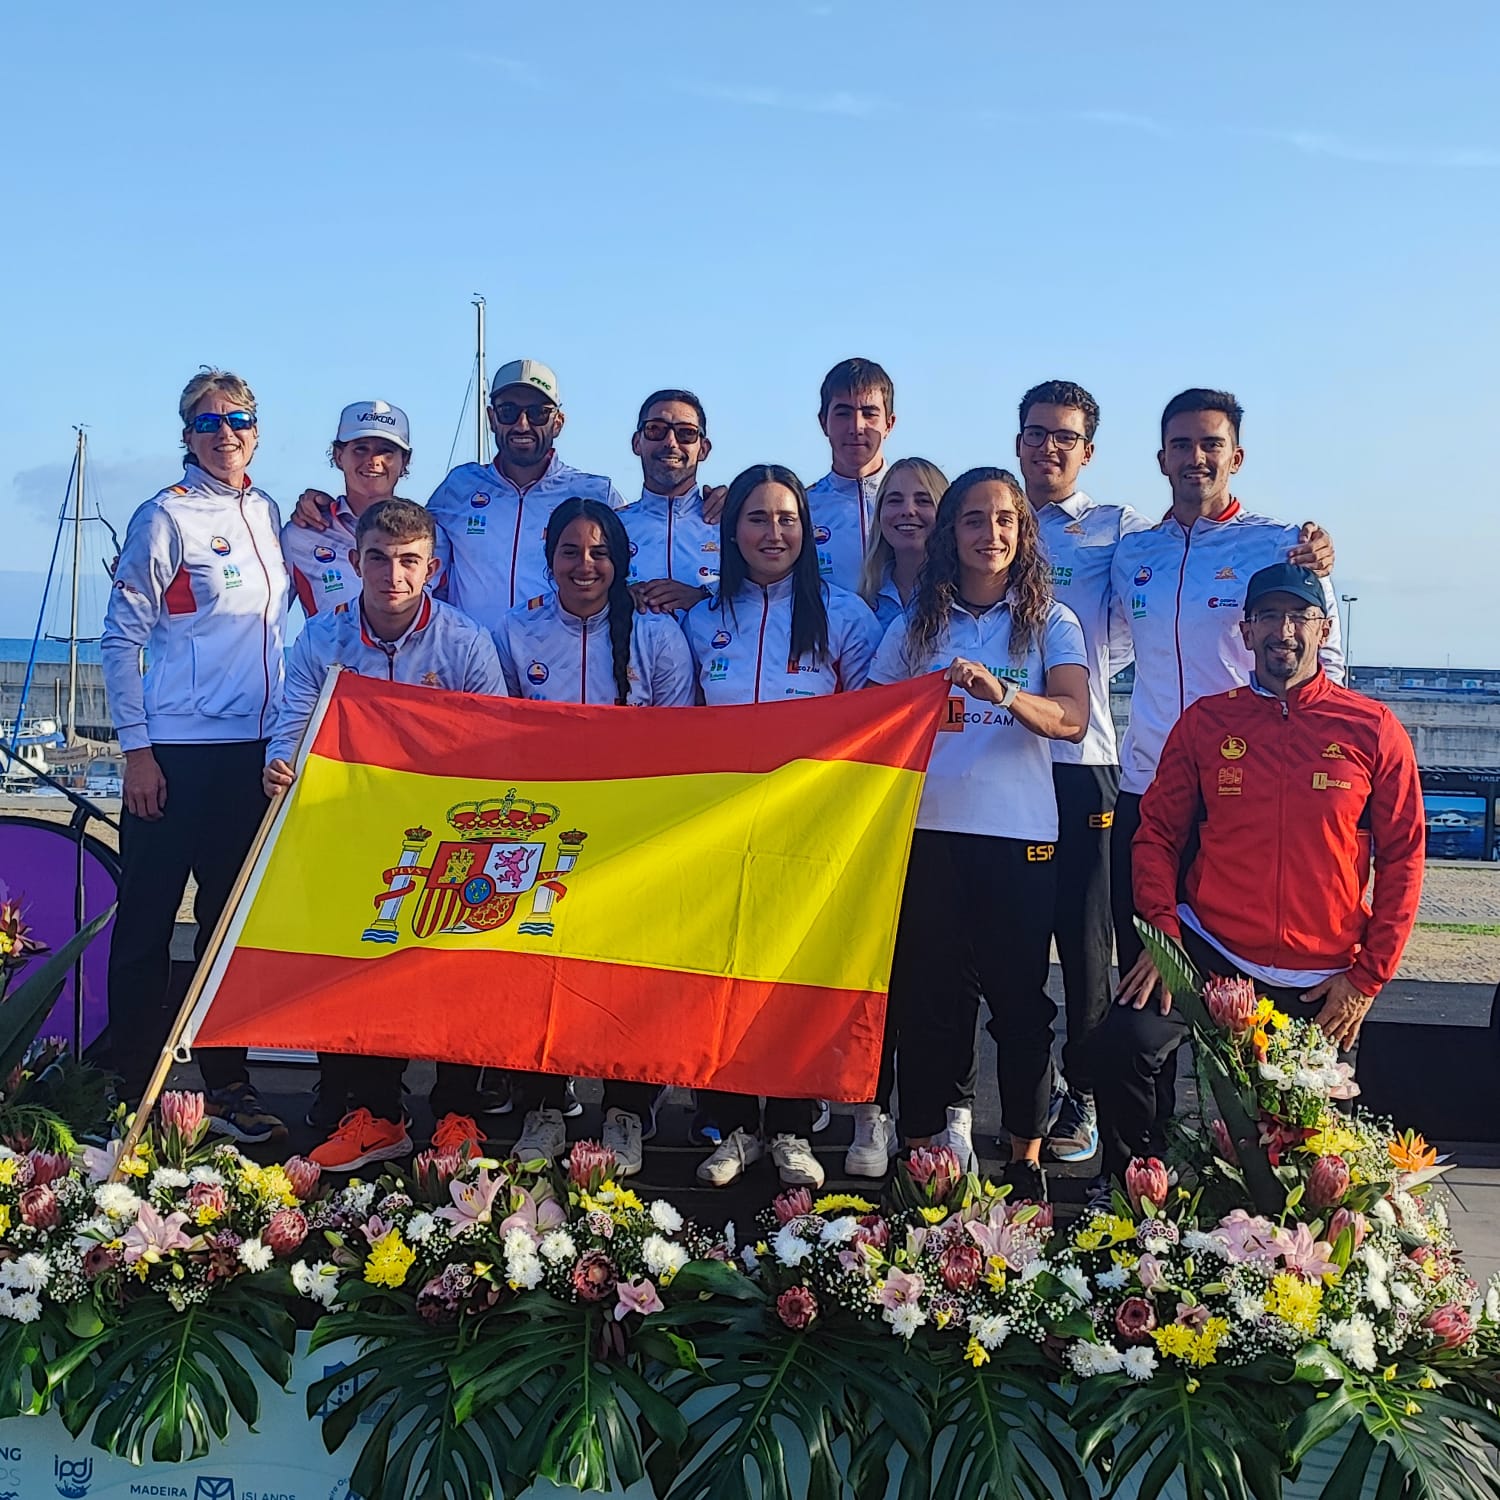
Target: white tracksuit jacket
670, 539
843, 516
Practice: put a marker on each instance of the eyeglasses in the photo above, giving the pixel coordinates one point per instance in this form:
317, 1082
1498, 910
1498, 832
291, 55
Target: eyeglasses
1065, 438
537, 412
1301, 619
656, 430
211, 421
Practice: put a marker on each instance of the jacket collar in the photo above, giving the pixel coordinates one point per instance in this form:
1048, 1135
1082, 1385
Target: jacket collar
575, 626
200, 479
1303, 696
420, 621
690, 504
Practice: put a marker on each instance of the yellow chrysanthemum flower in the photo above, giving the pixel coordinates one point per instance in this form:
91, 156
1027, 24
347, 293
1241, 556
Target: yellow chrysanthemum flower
976, 1353
390, 1259
933, 1214
1295, 1302
8, 1169
835, 1201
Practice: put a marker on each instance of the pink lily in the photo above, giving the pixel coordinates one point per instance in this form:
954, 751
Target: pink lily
899, 1288
536, 1218
472, 1201
99, 1161
636, 1297
152, 1236
1249, 1238
995, 1237
1308, 1257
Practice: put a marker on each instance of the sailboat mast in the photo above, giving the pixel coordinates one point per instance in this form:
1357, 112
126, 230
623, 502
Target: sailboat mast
72, 722
481, 427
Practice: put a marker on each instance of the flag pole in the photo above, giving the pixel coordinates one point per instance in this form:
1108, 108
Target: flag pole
209, 962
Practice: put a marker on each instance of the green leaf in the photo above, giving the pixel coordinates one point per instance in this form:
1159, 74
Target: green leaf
717, 1278
28, 1003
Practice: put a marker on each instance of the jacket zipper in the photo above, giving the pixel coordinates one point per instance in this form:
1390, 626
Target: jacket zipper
265, 618
1187, 541
583, 668
671, 506
765, 610
1281, 774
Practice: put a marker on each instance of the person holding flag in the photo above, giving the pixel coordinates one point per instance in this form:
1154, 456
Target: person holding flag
396, 632
775, 630
976, 916
585, 643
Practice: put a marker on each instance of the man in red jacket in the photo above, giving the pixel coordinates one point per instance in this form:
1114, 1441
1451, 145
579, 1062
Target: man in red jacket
1290, 783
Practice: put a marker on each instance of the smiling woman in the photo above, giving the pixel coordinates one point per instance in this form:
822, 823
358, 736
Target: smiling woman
200, 590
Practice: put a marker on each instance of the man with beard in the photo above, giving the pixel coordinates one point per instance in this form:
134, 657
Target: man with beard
1288, 782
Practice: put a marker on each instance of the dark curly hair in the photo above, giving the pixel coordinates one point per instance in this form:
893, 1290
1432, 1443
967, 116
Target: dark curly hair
1063, 393
1028, 586
621, 606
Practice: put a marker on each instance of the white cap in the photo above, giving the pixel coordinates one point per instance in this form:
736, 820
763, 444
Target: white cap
374, 419
530, 372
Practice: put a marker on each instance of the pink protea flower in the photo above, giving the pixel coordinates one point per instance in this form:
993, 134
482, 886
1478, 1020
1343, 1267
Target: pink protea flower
98, 1259
40, 1208
1224, 1142
792, 1204
638, 1296
1450, 1325
1134, 1319
594, 1276
936, 1169
1146, 1182
872, 1231
209, 1195
1327, 1182
285, 1231
1342, 1219
796, 1307
182, 1112
47, 1166
959, 1264
589, 1164
303, 1175
1231, 1003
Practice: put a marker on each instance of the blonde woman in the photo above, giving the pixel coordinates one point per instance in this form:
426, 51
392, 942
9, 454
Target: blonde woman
905, 509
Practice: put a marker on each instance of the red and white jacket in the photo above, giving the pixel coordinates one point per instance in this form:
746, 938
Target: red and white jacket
201, 589
1289, 801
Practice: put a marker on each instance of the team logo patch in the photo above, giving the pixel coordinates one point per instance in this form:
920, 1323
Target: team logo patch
709, 547
634, 549
479, 501
1073, 528
537, 672
1142, 576
1335, 751
821, 534
1101, 820
1226, 573
232, 579
1217, 603
1323, 782
323, 554
220, 545
1233, 747
721, 639
1039, 854
1231, 780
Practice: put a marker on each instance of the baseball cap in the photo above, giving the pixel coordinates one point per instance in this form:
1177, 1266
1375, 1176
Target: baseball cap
374, 419
1284, 578
530, 372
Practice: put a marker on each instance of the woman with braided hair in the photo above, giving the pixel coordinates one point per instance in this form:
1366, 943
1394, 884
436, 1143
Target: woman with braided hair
584, 643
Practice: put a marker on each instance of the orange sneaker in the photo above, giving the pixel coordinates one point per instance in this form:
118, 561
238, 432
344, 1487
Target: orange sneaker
458, 1135
360, 1139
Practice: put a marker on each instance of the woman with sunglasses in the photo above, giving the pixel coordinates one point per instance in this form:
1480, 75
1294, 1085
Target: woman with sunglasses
905, 507
585, 643
976, 915
200, 589
773, 631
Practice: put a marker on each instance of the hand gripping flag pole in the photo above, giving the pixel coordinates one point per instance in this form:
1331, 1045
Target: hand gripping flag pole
174, 1050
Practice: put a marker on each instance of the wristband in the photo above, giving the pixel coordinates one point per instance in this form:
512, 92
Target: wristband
1009, 692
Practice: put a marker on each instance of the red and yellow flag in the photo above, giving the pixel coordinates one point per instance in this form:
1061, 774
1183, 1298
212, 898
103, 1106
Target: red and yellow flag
691, 896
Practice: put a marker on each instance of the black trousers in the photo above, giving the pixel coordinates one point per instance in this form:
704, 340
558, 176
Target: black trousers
1082, 922
976, 919
214, 807
373, 1083
742, 1112
1135, 1048
1121, 870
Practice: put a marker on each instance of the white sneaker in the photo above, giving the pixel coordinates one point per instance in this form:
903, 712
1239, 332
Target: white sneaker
622, 1135
795, 1162
874, 1143
543, 1135
959, 1135
735, 1152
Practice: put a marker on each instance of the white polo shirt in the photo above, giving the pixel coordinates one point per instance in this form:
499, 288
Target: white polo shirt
1079, 536
742, 648
988, 774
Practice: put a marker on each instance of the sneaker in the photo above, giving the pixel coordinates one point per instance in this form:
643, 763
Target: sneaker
486, 1101
360, 1139
238, 1113
795, 1163
327, 1111
822, 1114
1026, 1180
572, 1107
458, 1135
874, 1143
958, 1135
543, 1135
622, 1134
1075, 1133
738, 1150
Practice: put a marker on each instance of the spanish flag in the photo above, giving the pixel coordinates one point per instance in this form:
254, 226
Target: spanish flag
689, 896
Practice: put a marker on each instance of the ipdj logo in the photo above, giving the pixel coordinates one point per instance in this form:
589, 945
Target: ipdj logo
537, 672
821, 534
721, 639
1142, 576
479, 501
220, 545
323, 554
74, 1476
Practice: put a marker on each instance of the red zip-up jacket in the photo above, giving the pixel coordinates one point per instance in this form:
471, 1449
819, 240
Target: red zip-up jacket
1288, 800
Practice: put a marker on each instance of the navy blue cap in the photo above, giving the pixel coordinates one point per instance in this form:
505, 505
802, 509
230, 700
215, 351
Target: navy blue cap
1283, 578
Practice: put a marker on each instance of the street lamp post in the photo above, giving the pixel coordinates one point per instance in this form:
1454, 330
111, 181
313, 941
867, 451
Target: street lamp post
1350, 600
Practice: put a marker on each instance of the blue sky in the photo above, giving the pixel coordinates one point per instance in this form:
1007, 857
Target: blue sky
1299, 202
